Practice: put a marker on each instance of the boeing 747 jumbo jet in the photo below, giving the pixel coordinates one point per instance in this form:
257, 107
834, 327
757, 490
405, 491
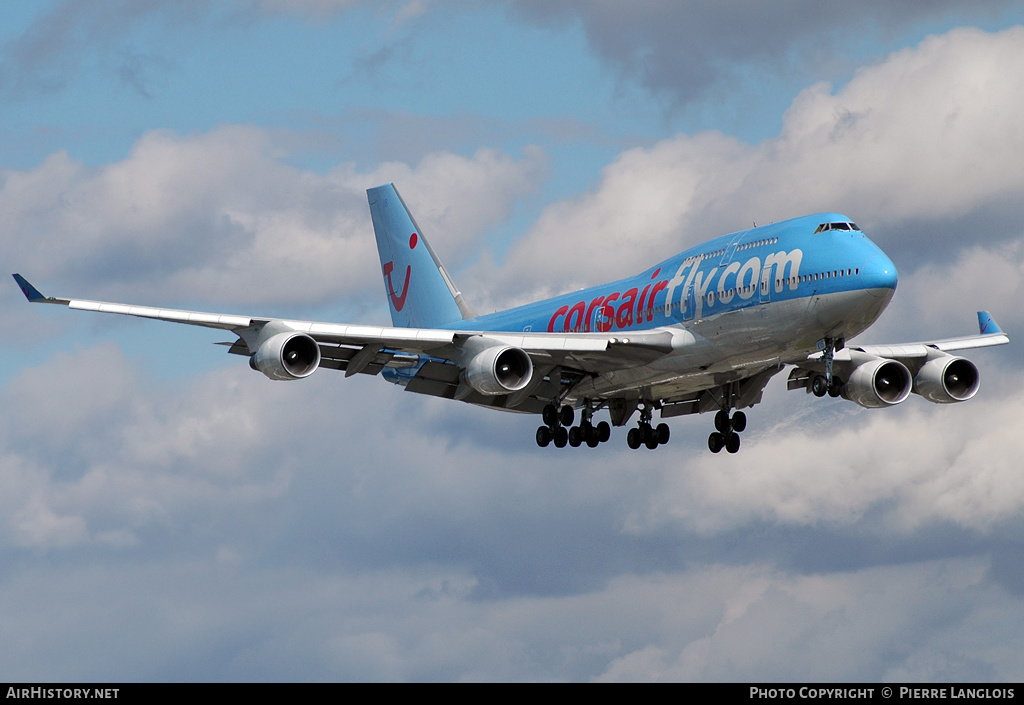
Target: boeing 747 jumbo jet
702, 331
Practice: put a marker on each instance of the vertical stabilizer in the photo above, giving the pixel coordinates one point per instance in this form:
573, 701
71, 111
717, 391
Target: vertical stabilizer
420, 291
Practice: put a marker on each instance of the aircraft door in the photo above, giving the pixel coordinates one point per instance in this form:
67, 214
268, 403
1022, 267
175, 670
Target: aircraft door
689, 304
766, 284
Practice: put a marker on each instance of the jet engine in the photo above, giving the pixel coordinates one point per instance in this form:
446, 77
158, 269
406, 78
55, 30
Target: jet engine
499, 369
287, 356
946, 379
878, 383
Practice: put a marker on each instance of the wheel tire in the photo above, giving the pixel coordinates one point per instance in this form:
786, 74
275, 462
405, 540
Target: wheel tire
634, 439
732, 443
819, 387
739, 422
543, 436
575, 436
651, 441
566, 415
715, 442
722, 421
560, 436
604, 431
550, 415
836, 389
592, 440
663, 432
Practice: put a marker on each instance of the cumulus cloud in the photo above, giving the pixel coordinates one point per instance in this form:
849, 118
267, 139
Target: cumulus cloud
684, 49
878, 624
918, 147
221, 217
99, 453
939, 299
905, 469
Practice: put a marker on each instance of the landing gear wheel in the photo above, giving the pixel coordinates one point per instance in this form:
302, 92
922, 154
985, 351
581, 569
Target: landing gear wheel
715, 442
722, 421
634, 438
836, 388
732, 443
565, 415
575, 436
663, 433
593, 440
739, 422
550, 415
560, 436
819, 386
604, 431
543, 436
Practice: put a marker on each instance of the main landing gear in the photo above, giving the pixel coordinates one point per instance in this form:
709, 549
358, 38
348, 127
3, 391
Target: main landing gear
728, 430
645, 434
556, 419
728, 425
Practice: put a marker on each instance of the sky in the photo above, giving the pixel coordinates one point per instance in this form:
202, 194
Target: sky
167, 514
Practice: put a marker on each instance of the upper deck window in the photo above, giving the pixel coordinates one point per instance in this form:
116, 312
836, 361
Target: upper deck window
836, 226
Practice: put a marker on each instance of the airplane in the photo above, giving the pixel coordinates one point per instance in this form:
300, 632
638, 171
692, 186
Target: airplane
702, 331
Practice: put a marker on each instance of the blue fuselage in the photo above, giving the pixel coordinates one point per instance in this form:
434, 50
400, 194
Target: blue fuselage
776, 263
734, 304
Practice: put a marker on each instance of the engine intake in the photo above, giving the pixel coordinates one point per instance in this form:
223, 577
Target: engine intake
499, 370
287, 356
947, 379
878, 383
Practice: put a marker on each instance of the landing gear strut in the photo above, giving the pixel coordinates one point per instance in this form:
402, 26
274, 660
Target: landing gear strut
645, 434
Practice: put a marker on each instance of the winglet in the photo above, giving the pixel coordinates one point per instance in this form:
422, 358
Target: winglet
32, 294
987, 325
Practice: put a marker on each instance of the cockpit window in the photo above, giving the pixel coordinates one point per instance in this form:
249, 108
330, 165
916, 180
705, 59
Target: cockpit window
836, 226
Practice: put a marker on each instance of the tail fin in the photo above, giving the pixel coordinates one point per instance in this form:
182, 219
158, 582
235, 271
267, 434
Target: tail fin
420, 291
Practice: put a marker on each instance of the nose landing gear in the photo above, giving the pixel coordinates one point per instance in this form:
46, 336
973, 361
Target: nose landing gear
828, 383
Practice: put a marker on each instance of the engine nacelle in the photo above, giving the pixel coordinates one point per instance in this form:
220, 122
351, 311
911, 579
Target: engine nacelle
947, 379
877, 383
499, 369
287, 356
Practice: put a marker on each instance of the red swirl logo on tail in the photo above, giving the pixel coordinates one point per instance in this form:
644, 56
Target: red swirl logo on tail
398, 301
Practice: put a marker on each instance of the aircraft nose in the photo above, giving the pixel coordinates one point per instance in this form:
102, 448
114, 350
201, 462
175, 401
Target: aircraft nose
878, 276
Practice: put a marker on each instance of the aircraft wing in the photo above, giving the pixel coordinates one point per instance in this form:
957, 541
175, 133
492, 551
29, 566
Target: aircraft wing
913, 356
989, 334
361, 348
